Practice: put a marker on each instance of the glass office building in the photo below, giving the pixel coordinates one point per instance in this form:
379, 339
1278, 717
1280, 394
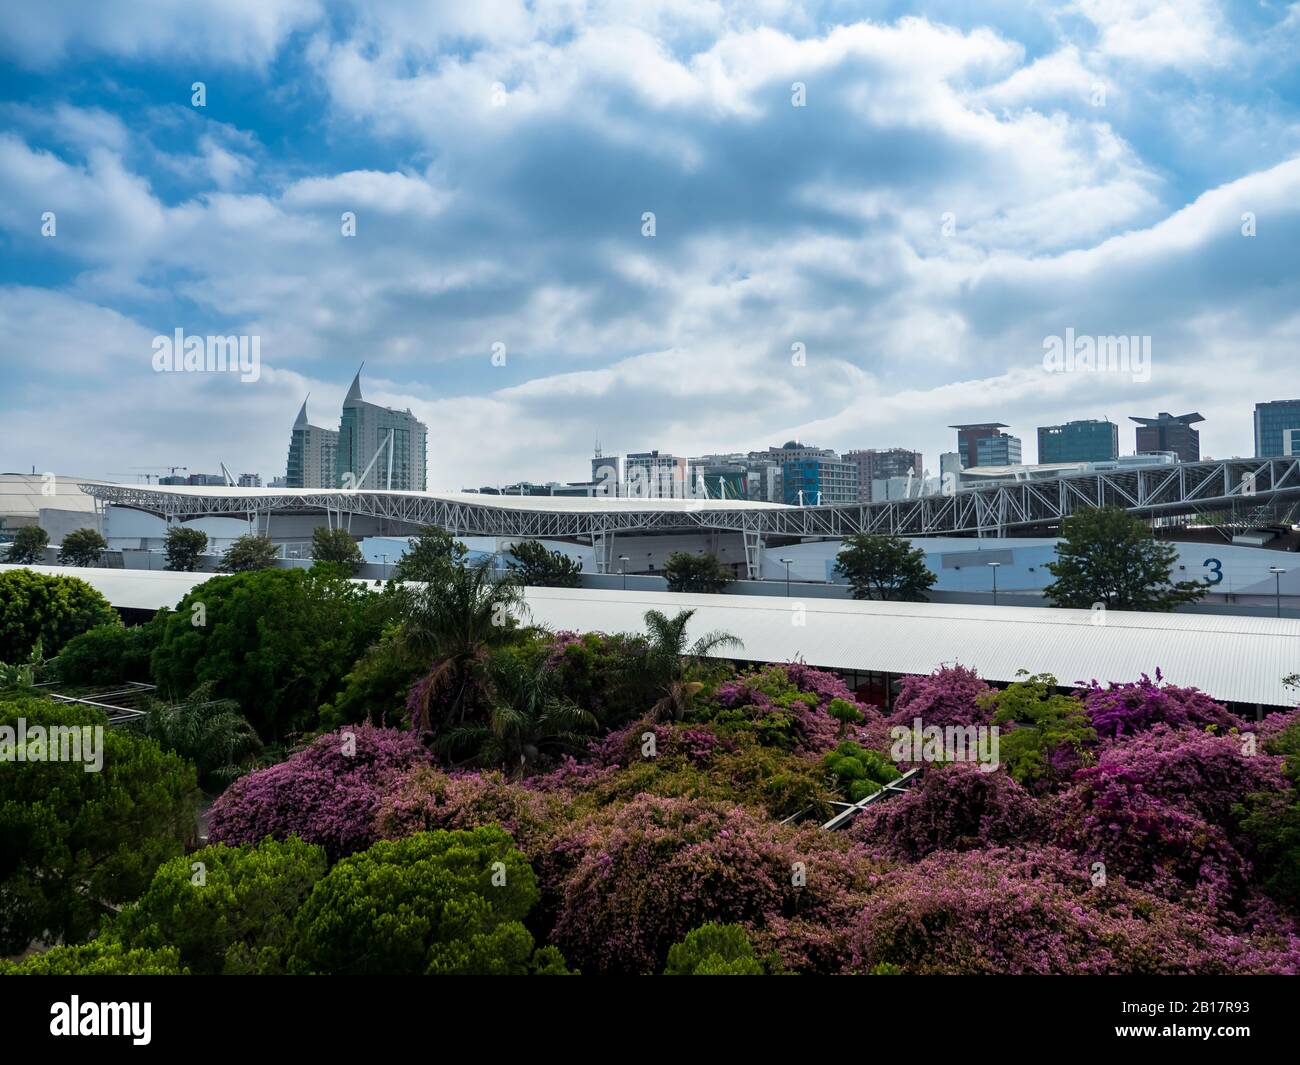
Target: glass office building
1273, 423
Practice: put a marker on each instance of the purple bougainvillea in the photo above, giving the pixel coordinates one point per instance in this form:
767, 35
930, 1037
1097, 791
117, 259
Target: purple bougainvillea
1039, 911
1123, 709
955, 807
1108, 815
425, 799
326, 794
636, 881
948, 696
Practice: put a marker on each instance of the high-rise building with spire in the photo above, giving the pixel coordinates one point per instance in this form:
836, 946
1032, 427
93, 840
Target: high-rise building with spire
312, 454
379, 447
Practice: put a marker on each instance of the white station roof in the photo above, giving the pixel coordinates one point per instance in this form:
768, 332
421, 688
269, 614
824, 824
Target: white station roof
552, 504
1233, 659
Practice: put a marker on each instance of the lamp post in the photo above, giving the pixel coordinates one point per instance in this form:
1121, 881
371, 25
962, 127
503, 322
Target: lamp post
1277, 572
623, 569
994, 567
787, 562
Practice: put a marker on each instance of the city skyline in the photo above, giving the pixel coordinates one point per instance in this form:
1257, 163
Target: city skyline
862, 232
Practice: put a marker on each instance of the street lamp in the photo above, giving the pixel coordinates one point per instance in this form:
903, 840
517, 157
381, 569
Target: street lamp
623, 569
1277, 572
787, 562
994, 567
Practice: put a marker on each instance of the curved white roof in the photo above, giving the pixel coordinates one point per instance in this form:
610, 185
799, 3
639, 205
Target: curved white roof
1234, 659
553, 504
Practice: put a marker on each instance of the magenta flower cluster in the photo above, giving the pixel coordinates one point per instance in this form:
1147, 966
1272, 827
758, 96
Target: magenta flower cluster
1123, 709
326, 794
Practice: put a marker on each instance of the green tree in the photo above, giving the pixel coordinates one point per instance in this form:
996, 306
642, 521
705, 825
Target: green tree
104, 956
454, 623
250, 552
277, 641
1044, 722
433, 903
185, 548
75, 840
52, 609
28, 546
431, 556
536, 567
225, 909
336, 547
82, 547
686, 572
108, 654
527, 721
714, 950
375, 688
211, 733
674, 663
1108, 555
884, 567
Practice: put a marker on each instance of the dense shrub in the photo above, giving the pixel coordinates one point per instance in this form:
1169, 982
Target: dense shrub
786, 706
954, 807
1109, 815
1038, 912
279, 642
36, 606
434, 903
632, 882
326, 794
71, 840
857, 771
1123, 709
693, 761
425, 799
226, 909
376, 687
108, 654
948, 696
104, 956
605, 674
1202, 773
714, 950
1045, 736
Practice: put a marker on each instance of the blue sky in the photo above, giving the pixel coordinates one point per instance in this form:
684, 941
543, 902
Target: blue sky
1093, 162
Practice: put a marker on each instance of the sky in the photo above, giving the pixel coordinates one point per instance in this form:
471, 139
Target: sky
674, 224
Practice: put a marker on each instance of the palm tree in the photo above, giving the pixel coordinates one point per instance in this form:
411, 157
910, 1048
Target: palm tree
527, 721
453, 624
674, 662
211, 733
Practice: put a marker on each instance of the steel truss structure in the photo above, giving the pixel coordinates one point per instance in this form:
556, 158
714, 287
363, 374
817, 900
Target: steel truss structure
993, 510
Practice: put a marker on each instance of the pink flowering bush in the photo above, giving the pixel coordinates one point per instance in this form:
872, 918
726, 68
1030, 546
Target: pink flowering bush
633, 882
1124, 709
1203, 773
955, 807
325, 794
948, 696
425, 799
1110, 816
1037, 911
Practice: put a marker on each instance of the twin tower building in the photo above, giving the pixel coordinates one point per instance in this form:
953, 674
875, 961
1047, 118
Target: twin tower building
373, 447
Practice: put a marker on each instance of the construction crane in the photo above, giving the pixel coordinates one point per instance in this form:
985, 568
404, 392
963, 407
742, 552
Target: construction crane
171, 471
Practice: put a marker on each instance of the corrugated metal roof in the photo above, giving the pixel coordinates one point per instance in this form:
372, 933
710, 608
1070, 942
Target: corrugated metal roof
1234, 659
